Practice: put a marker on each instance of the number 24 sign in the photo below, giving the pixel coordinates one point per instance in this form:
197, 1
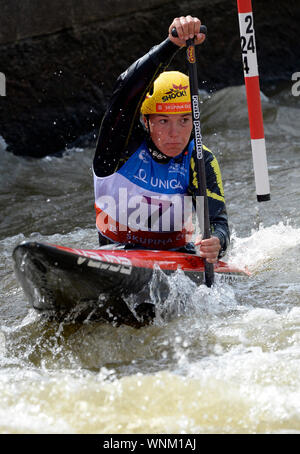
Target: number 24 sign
248, 44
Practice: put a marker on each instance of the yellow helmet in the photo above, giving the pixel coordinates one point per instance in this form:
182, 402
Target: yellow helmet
171, 95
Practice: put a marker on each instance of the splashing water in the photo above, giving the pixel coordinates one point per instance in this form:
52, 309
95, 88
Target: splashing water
218, 360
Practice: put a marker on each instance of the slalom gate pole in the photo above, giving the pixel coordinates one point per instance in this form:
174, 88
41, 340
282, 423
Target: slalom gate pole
251, 78
200, 165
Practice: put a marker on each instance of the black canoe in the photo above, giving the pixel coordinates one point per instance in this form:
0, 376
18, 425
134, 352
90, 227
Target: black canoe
66, 282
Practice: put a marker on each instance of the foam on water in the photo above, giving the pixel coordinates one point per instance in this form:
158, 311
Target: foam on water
219, 360
264, 245
214, 360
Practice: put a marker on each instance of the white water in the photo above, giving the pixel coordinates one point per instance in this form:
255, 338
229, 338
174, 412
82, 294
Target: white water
220, 360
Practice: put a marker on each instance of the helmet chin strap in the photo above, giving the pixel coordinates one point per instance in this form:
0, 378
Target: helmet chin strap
156, 154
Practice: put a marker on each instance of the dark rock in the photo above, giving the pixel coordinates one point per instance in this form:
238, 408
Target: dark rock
61, 59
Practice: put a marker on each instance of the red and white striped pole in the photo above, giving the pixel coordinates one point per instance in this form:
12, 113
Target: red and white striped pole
251, 77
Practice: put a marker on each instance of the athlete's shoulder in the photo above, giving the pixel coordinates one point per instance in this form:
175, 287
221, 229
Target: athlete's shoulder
207, 153
213, 173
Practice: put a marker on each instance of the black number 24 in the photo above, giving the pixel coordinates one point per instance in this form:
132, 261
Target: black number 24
247, 43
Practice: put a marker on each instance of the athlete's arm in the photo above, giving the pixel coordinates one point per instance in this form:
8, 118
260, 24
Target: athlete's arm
216, 204
121, 131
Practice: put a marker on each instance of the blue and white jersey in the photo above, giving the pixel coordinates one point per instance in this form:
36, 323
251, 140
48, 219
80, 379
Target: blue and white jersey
144, 201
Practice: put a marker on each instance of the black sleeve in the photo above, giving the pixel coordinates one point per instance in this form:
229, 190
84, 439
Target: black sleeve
215, 194
120, 131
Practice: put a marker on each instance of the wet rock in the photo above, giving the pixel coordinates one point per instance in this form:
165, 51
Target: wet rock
61, 60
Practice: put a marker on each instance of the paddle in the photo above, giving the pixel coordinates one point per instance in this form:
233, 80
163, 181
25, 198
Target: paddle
200, 164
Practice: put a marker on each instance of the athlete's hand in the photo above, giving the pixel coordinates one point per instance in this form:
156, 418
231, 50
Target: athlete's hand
209, 248
187, 27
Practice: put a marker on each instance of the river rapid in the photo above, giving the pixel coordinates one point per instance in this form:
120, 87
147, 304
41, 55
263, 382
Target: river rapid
223, 360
